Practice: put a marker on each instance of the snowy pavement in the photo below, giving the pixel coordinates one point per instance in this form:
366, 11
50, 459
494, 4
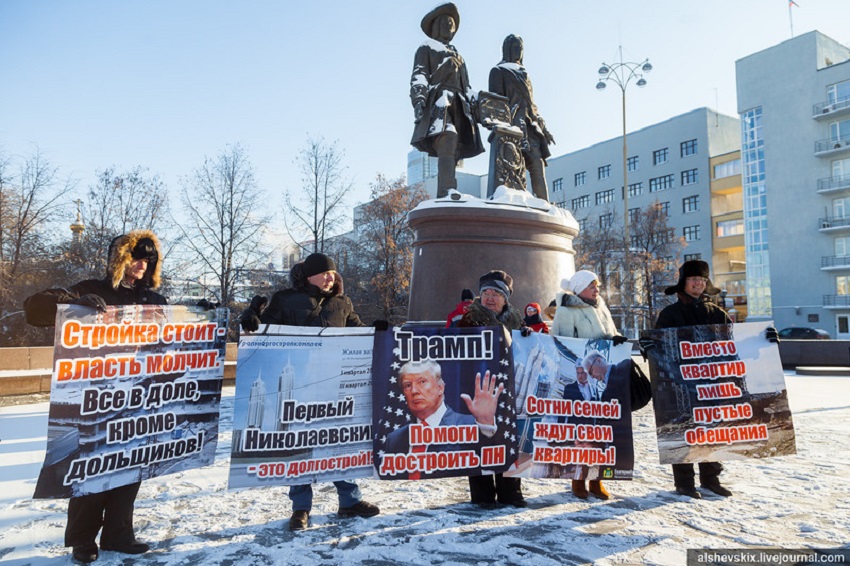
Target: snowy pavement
800, 501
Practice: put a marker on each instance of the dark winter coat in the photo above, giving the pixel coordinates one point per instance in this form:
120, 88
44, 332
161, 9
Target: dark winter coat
479, 315
305, 305
688, 311
40, 308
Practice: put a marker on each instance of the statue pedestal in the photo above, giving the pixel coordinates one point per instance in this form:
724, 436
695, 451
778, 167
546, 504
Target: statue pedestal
457, 241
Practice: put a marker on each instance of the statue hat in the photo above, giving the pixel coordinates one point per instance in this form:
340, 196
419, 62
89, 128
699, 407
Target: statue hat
448, 8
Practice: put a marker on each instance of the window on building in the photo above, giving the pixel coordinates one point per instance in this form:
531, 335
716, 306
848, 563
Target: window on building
557, 185
723, 170
581, 202
692, 257
842, 246
661, 183
664, 208
840, 168
842, 284
582, 224
561, 204
580, 178
840, 206
635, 189
691, 233
840, 131
604, 172
605, 220
690, 204
839, 92
659, 156
632, 163
634, 215
728, 228
687, 148
605, 196
689, 177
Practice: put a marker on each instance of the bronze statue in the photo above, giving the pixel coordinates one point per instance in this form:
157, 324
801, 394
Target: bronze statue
442, 99
510, 79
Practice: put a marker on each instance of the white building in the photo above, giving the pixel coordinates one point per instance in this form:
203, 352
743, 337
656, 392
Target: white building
794, 103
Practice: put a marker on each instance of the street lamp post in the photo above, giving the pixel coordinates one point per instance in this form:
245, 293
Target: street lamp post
621, 74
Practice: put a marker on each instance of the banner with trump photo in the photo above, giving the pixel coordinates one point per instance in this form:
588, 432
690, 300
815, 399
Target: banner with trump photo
135, 394
573, 408
303, 409
443, 402
718, 393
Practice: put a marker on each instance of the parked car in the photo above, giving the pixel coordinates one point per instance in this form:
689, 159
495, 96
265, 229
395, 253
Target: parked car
803, 333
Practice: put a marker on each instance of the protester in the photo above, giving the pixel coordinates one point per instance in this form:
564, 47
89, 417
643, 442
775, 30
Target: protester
693, 307
466, 298
132, 273
492, 308
582, 313
315, 299
533, 320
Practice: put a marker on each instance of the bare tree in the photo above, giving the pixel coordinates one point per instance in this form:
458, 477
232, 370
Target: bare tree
315, 211
653, 258
632, 282
29, 201
382, 248
118, 203
224, 225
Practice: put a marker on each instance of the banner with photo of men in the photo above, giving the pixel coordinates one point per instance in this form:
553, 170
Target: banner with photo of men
573, 408
303, 409
443, 402
135, 394
719, 394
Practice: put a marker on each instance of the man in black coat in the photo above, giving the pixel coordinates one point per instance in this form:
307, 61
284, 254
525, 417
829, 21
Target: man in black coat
133, 272
694, 308
315, 299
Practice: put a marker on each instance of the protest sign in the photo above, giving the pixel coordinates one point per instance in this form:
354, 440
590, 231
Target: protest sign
303, 409
135, 394
719, 394
443, 402
573, 408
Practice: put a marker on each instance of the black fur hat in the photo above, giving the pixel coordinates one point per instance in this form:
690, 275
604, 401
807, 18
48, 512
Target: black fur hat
693, 268
497, 280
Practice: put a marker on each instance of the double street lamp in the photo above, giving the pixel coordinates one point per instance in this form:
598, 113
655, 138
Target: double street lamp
622, 73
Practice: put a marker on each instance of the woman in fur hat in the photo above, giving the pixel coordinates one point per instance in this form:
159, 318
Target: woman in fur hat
492, 308
132, 274
582, 313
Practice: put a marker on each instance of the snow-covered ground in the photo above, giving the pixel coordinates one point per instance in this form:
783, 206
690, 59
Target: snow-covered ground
800, 501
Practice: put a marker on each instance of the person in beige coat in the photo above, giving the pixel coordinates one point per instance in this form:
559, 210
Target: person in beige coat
581, 313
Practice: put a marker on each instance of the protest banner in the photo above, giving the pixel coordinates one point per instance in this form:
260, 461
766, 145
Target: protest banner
303, 410
443, 402
135, 394
574, 418
719, 394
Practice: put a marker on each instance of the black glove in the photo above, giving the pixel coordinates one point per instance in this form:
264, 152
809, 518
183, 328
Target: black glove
258, 304
617, 339
207, 305
645, 345
525, 331
771, 334
381, 325
91, 301
249, 321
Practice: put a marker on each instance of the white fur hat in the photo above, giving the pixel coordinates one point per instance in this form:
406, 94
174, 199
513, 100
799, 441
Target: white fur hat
581, 280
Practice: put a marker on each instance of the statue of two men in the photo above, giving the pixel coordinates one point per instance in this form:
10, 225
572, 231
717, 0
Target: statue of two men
444, 105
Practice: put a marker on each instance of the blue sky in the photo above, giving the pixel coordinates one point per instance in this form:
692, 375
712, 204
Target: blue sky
164, 83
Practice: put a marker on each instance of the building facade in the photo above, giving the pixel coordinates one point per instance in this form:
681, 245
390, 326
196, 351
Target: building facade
794, 104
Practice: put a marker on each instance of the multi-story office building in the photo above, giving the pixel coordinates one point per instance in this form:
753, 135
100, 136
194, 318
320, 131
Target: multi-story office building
794, 104
678, 163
